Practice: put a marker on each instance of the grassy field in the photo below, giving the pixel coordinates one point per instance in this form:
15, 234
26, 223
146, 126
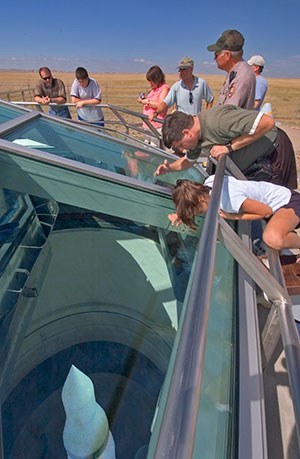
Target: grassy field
122, 89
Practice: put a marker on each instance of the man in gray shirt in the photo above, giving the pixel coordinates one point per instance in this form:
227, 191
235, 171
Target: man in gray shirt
239, 85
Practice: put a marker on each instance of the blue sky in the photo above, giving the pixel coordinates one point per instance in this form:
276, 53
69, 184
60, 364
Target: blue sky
130, 36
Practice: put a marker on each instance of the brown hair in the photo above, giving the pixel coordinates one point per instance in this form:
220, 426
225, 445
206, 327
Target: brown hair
173, 126
190, 198
81, 73
156, 75
46, 69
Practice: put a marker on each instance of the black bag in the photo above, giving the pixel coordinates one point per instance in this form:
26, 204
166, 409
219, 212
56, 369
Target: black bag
260, 171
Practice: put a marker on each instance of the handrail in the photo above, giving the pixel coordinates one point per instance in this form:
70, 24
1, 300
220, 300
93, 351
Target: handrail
272, 283
282, 304
178, 427
177, 432
117, 111
183, 401
290, 337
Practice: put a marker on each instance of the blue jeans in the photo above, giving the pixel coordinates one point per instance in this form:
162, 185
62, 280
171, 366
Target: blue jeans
96, 123
63, 112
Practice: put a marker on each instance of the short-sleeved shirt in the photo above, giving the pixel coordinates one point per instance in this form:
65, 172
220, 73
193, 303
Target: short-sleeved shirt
239, 87
224, 123
179, 94
154, 96
91, 91
235, 192
260, 90
57, 89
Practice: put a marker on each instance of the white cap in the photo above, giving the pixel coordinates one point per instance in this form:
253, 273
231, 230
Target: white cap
256, 60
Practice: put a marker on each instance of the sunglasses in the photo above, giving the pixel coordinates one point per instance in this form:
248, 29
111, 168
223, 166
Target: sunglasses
46, 78
191, 99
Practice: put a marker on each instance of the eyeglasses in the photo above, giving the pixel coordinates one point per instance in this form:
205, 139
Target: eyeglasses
218, 53
191, 98
46, 78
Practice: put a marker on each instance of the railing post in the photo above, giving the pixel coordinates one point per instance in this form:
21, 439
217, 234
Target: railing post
179, 421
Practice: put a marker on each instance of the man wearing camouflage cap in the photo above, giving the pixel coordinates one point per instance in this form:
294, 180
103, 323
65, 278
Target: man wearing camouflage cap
239, 86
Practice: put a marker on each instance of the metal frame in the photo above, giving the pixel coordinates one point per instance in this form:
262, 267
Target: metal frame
178, 426
118, 112
177, 430
252, 432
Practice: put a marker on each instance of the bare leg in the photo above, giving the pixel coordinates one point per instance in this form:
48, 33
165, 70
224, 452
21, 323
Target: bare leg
279, 232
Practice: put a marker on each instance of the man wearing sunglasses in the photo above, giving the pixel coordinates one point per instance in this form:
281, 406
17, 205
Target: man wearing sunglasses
239, 86
51, 90
188, 92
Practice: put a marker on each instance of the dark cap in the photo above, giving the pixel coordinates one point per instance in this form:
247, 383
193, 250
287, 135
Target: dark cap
231, 40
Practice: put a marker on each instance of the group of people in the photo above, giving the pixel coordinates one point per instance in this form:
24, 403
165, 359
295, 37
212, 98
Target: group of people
244, 85
85, 92
236, 127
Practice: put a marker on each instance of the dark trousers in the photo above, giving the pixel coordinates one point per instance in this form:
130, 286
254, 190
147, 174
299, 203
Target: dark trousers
284, 162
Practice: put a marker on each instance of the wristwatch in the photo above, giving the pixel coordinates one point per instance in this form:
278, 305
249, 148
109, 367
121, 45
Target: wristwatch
229, 146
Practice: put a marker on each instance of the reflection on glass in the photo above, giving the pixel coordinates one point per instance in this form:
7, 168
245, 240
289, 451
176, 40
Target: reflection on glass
8, 113
105, 292
110, 279
95, 149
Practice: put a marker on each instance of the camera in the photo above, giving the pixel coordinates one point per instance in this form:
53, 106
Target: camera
142, 95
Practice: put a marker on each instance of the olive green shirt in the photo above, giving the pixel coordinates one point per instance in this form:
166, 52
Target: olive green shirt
222, 124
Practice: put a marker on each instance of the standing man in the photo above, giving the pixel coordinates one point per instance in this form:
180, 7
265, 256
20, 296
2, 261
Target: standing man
257, 63
51, 90
246, 135
86, 91
187, 93
239, 86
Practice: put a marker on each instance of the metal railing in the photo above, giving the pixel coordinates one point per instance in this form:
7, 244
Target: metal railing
129, 120
177, 433
178, 427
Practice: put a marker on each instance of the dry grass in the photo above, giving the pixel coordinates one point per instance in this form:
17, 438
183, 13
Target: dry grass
122, 89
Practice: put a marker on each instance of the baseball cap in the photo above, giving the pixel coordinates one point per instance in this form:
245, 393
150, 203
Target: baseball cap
256, 60
185, 63
231, 40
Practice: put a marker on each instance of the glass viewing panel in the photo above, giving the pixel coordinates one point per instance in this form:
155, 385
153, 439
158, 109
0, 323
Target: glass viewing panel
109, 302
105, 294
95, 149
8, 113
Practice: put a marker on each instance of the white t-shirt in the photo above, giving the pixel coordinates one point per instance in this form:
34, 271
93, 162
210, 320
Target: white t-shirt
91, 91
235, 192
